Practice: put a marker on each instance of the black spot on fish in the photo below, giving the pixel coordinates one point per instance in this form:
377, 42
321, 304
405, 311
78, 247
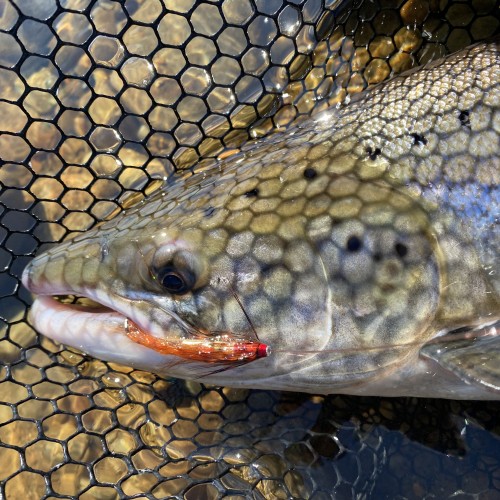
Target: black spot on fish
209, 211
252, 193
418, 140
354, 244
464, 118
401, 249
373, 153
310, 173
377, 257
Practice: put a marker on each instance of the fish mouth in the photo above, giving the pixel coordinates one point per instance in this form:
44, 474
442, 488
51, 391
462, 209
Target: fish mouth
95, 330
80, 303
65, 305
93, 322
84, 303
110, 327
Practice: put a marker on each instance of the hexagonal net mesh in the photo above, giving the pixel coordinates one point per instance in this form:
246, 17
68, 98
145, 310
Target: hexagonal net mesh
99, 100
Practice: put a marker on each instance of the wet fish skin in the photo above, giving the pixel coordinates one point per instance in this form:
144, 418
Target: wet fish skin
351, 241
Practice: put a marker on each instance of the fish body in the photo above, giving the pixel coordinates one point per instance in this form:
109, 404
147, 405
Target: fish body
354, 246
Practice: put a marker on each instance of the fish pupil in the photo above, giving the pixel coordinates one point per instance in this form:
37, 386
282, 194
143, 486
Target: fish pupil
173, 282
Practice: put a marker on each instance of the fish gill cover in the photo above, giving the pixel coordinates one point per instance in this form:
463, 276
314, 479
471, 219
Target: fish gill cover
98, 99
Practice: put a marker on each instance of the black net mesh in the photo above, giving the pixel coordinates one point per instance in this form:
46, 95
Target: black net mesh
99, 101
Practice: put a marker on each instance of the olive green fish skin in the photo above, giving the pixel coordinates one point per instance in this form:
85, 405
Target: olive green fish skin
351, 240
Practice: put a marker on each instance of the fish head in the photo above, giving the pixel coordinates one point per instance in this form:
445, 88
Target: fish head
340, 275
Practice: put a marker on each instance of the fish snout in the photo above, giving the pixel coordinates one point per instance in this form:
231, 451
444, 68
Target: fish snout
63, 270
33, 277
27, 277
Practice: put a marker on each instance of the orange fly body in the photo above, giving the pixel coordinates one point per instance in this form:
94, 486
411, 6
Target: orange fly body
222, 349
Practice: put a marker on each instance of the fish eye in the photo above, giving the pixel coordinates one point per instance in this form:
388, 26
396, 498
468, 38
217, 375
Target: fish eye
174, 281
176, 272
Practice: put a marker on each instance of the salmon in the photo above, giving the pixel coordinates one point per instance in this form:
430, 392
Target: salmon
356, 253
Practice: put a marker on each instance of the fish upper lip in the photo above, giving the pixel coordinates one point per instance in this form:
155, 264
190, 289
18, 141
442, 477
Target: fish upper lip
44, 289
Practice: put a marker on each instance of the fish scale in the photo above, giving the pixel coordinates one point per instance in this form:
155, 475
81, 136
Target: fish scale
344, 259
